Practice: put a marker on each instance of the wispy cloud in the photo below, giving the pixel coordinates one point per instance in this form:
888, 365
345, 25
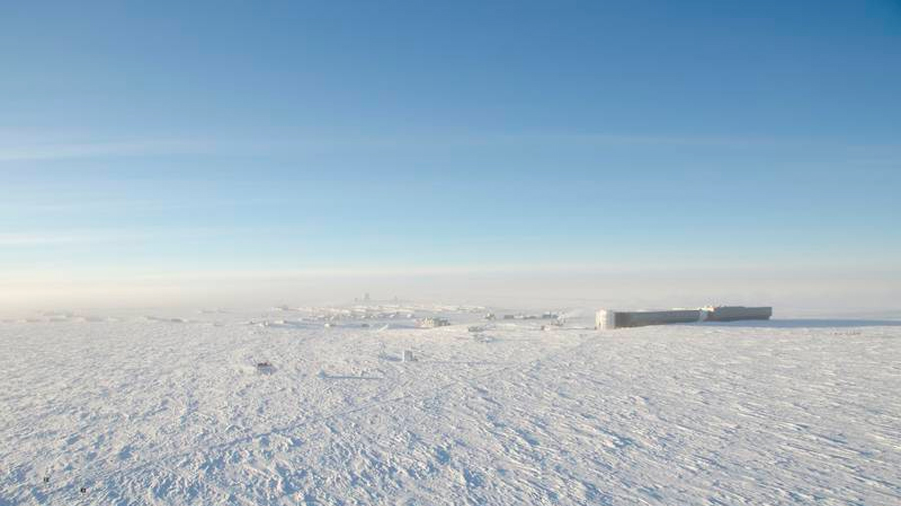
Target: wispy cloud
29, 239
52, 151
39, 238
36, 150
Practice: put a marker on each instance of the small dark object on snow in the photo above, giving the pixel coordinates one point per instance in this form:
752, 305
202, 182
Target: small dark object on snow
264, 365
83, 490
46, 479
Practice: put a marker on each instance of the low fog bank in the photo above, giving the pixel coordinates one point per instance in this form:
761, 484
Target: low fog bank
792, 293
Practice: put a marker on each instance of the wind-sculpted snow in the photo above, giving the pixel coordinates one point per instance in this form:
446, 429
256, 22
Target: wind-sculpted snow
274, 408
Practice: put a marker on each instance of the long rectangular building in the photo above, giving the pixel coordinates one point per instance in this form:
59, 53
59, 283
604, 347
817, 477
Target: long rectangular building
736, 313
606, 319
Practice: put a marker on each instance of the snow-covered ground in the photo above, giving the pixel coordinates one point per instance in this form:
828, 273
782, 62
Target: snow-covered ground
173, 409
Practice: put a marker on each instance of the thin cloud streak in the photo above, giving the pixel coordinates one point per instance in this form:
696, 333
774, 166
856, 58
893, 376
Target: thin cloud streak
37, 150
39, 239
55, 151
13, 239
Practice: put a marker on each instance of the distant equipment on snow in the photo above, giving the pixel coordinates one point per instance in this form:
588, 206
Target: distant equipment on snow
265, 367
433, 322
607, 319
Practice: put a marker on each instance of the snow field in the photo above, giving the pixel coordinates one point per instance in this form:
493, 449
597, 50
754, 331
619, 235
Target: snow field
175, 411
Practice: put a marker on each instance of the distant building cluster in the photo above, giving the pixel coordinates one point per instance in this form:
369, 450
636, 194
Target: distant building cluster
520, 316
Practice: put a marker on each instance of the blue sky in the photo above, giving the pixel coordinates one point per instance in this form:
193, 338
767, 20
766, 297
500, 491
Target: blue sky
172, 137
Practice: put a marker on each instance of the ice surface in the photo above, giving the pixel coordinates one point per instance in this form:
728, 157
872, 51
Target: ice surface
176, 409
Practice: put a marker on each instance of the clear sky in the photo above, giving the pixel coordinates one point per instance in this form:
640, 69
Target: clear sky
167, 140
